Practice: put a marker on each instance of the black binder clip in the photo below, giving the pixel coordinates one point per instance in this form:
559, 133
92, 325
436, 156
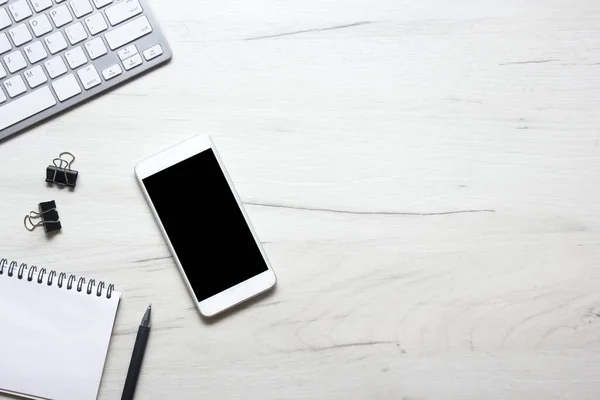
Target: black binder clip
61, 172
48, 215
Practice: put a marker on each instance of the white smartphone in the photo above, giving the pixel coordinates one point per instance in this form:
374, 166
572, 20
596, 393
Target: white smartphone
205, 225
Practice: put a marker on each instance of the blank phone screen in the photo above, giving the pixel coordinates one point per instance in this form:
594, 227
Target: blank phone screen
205, 224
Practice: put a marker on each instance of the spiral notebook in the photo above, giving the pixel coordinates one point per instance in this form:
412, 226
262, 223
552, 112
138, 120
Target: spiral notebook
54, 332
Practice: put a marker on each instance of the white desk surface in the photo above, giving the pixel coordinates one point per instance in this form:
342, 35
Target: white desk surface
423, 175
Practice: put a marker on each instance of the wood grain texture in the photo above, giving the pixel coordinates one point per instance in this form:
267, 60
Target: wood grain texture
424, 177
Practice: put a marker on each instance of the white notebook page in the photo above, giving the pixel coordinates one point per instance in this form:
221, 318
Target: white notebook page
53, 341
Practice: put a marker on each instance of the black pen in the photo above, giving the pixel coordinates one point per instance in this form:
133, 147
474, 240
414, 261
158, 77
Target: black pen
137, 356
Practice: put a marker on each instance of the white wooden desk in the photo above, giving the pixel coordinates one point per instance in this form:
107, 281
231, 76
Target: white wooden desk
423, 174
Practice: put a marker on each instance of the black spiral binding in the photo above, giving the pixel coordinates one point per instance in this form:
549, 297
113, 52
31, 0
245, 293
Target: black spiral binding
60, 282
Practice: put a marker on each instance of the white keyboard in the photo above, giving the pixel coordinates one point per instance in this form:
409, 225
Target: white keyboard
54, 54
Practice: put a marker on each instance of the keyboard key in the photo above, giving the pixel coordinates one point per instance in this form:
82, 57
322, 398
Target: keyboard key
20, 10
75, 57
55, 67
40, 25
127, 33
35, 76
102, 3
132, 62
15, 86
2, 97
76, 33
96, 23
127, 52
35, 52
4, 18
56, 42
61, 16
41, 5
25, 107
66, 87
89, 77
15, 62
111, 72
2, 71
95, 48
81, 7
20, 34
153, 52
4, 43
123, 11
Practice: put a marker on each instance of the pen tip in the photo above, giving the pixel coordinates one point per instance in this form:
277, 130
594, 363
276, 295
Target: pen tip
146, 317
